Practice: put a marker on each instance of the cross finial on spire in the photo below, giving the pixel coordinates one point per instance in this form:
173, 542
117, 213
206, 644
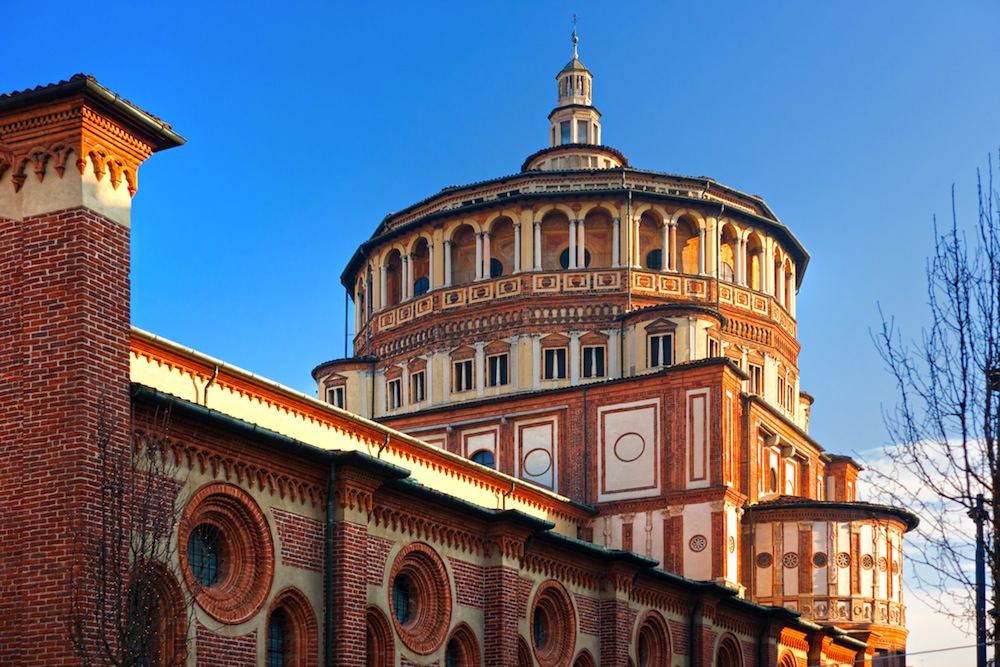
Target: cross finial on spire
575, 38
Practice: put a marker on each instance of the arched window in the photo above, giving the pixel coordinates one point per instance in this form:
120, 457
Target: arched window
728, 654
789, 285
502, 248
291, 631
523, 653
463, 256
727, 254
157, 619
420, 266
393, 279
598, 238
462, 649
378, 639
688, 249
652, 641
651, 242
755, 263
555, 240
484, 457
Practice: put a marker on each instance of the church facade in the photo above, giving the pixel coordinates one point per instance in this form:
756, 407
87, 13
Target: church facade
571, 434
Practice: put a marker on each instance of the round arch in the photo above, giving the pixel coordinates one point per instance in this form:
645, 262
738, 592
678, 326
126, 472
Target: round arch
728, 652
378, 639
300, 633
462, 649
463, 254
652, 641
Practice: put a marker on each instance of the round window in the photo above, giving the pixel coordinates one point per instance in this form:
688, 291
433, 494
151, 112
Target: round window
226, 552
843, 559
698, 543
764, 560
790, 559
819, 559
420, 598
553, 625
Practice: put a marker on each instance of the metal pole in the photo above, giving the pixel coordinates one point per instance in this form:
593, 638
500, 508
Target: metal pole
979, 516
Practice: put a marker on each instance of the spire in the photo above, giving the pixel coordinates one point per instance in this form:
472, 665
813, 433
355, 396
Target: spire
576, 39
574, 120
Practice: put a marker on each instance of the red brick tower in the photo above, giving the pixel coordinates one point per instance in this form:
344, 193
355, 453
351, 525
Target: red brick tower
69, 154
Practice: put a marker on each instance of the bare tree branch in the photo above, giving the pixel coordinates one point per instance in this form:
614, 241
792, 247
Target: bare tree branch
943, 430
126, 609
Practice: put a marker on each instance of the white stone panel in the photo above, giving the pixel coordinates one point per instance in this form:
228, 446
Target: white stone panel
763, 544
844, 546
629, 461
535, 443
790, 544
698, 523
820, 544
732, 572
697, 438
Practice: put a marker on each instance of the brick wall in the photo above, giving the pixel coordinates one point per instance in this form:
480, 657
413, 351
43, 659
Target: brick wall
470, 582
65, 326
216, 649
302, 540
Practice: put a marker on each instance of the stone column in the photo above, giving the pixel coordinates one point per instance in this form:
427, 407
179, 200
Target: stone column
701, 251
537, 249
487, 256
572, 244
574, 357
479, 255
447, 263
536, 361
674, 264
405, 289
517, 248
614, 355
615, 242
383, 285
665, 248
480, 368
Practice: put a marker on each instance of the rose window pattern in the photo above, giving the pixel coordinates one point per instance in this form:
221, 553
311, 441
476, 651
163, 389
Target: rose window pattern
883, 564
843, 559
819, 559
790, 559
764, 560
867, 561
698, 543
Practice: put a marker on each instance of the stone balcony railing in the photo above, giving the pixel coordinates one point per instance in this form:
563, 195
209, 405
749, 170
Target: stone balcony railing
844, 609
646, 287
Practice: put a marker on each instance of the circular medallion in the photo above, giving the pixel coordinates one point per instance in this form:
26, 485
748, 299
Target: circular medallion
790, 559
537, 462
698, 543
629, 447
819, 559
764, 560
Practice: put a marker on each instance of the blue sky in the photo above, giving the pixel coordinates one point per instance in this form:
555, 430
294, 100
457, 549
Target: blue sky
308, 122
